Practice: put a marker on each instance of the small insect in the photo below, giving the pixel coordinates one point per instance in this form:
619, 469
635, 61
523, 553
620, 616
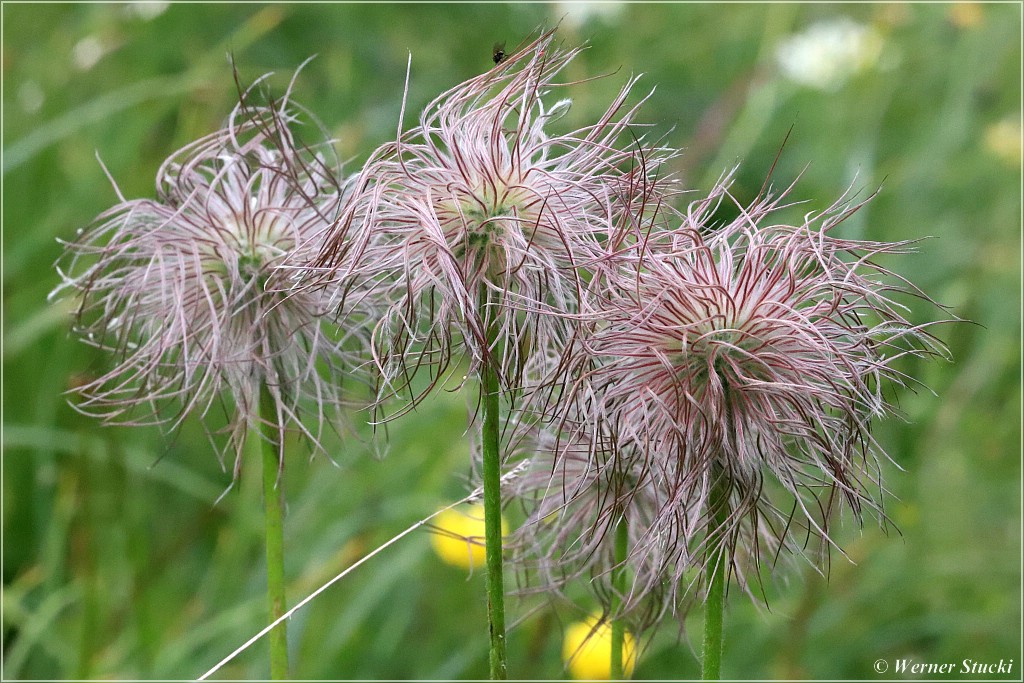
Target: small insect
498, 53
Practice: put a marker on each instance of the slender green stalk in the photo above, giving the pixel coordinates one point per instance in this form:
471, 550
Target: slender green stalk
274, 517
619, 589
492, 511
717, 567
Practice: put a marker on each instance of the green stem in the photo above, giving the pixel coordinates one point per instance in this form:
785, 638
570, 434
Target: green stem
492, 508
618, 590
717, 567
274, 516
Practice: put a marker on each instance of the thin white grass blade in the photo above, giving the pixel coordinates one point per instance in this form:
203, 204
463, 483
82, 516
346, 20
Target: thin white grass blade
338, 577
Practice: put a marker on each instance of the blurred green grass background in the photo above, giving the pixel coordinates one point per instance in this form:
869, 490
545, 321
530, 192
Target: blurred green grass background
118, 564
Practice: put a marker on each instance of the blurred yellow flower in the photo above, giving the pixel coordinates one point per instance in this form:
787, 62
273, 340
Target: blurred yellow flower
1003, 139
459, 536
587, 650
965, 14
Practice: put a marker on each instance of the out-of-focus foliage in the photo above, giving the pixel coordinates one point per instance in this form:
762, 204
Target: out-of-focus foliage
117, 563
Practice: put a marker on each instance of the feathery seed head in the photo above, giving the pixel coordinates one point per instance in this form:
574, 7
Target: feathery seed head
186, 290
752, 354
483, 196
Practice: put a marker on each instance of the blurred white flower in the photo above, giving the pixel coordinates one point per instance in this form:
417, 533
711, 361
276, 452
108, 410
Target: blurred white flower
826, 54
87, 52
577, 14
147, 10
31, 97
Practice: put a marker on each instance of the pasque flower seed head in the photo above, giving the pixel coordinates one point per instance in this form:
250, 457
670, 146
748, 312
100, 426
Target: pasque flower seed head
485, 215
187, 290
751, 357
